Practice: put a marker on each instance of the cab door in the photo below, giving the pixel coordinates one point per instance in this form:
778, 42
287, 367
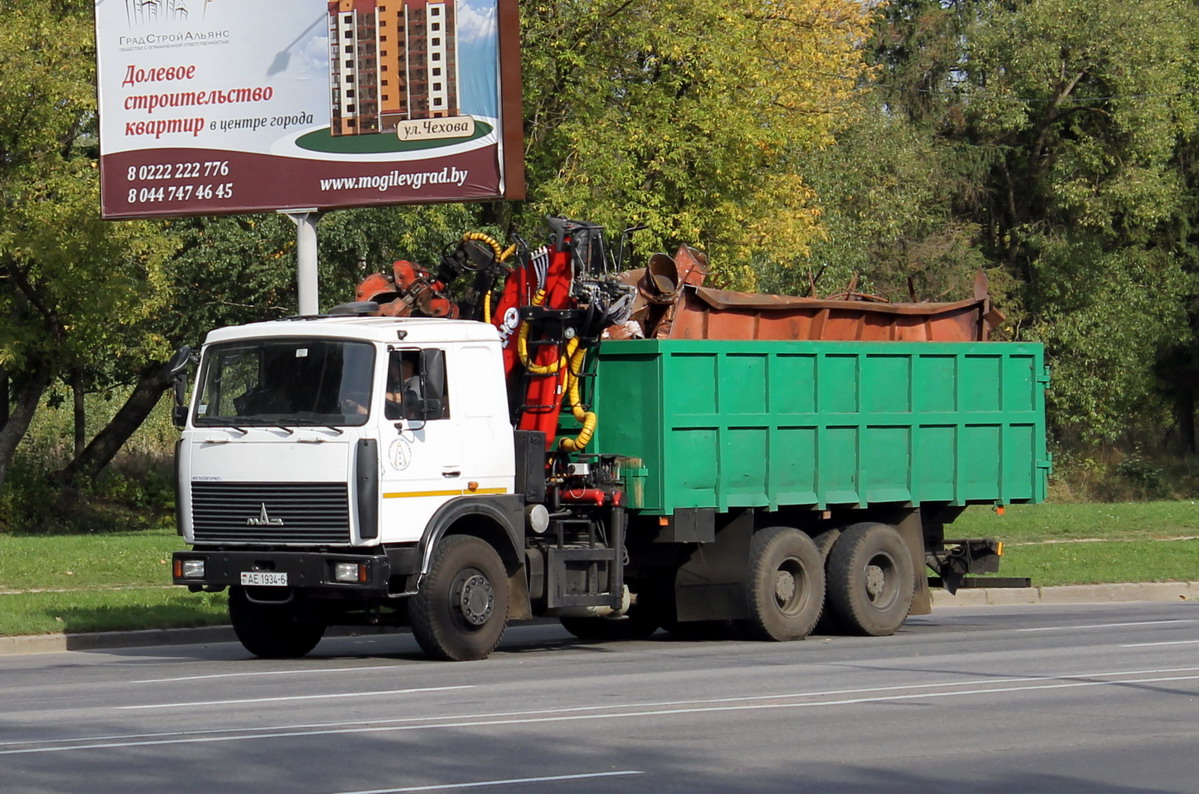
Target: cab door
482, 409
420, 450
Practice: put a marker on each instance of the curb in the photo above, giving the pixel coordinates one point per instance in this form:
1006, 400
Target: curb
1070, 594
145, 638
104, 640
1067, 594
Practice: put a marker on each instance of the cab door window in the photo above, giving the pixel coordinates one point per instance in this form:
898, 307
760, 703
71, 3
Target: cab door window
416, 385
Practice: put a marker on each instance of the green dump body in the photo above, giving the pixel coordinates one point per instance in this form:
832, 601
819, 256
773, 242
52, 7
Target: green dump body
770, 424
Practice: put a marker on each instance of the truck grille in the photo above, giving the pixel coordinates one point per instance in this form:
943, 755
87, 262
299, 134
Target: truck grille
271, 512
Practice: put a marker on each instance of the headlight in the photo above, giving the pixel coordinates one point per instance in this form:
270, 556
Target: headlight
189, 569
349, 572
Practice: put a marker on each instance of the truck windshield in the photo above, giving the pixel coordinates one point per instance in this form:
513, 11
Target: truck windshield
285, 382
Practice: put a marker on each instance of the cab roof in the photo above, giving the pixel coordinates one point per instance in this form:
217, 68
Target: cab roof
383, 330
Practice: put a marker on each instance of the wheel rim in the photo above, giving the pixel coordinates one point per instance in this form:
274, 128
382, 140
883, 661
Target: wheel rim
474, 597
881, 581
790, 587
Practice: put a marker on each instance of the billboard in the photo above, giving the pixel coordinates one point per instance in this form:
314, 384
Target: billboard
221, 106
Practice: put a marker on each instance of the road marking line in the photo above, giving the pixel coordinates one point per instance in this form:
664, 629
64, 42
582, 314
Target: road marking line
484, 721
571, 710
1110, 625
509, 782
266, 672
293, 697
578, 709
1151, 644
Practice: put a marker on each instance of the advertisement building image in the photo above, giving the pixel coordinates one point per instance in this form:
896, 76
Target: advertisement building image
312, 104
390, 61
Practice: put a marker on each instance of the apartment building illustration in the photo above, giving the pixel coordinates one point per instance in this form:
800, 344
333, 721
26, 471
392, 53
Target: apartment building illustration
143, 11
391, 61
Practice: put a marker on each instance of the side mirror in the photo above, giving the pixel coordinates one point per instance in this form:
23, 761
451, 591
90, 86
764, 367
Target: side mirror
178, 363
177, 369
432, 384
430, 408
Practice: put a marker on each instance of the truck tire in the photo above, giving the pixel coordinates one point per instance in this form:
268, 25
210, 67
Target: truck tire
825, 540
785, 587
828, 623
460, 608
870, 580
272, 631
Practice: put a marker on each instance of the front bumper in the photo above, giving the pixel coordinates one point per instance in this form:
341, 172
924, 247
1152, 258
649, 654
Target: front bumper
385, 572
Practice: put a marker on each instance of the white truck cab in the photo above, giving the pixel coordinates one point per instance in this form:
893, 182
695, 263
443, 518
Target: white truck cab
272, 451
324, 459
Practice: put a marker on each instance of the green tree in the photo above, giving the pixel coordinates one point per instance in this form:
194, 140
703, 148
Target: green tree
682, 116
887, 193
1072, 115
64, 275
239, 269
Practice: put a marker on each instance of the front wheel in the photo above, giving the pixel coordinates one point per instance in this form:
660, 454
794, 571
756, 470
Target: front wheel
273, 631
870, 580
460, 609
786, 585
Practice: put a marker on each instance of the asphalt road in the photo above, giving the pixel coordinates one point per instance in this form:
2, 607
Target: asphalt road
1097, 699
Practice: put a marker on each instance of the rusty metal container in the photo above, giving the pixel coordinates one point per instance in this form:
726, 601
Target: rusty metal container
703, 313
674, 304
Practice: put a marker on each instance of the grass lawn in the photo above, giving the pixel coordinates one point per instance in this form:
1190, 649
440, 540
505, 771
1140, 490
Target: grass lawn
1103, 562
1123, 521
102, 582
81, 611
1055, 544
113, 581
116, 559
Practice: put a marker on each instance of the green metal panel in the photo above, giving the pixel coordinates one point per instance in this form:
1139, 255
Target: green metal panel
729, 424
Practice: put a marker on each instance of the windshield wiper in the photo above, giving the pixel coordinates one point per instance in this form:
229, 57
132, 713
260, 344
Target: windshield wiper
316, 423
227, 423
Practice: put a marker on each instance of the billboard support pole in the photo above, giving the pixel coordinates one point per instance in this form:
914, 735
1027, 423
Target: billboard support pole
307, 280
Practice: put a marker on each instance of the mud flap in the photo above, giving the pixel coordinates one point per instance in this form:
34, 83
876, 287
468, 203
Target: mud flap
711, 584
911, 529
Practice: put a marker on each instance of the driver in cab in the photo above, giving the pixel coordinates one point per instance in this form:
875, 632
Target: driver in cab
403, 388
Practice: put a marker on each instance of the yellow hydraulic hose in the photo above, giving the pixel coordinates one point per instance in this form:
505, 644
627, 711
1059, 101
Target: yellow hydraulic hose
522, 347
573, 358
500, 256
484, 238
587, 419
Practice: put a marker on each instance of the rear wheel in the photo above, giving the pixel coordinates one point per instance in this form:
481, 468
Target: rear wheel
786, 585
460, 609
273, 631
828, 623
870, 580
825, 540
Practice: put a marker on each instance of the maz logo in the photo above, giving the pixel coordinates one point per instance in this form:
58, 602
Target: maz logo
264, 519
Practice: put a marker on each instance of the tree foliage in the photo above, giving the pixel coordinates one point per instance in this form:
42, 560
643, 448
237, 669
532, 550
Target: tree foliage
74, 291
886, 194
682, 116
1052, 143
1054, 130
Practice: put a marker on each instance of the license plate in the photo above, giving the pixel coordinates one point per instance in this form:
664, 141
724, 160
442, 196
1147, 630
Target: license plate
263, 579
